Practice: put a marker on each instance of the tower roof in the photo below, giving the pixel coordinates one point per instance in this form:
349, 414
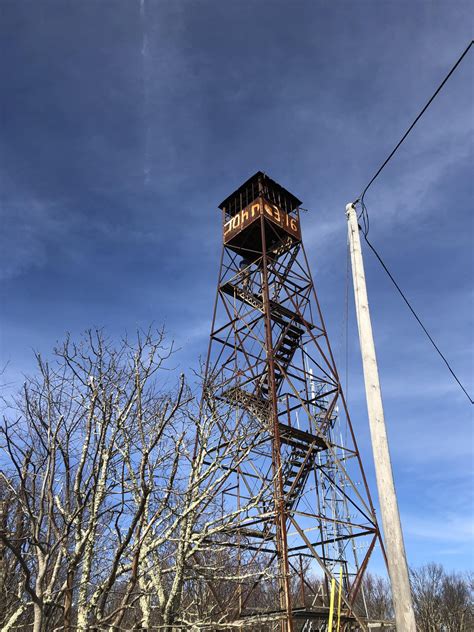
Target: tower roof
259, 184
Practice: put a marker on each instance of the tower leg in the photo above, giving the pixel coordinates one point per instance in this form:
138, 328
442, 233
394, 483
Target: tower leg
280, 515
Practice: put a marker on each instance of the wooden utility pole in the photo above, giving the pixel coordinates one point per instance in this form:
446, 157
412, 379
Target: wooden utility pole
397, 562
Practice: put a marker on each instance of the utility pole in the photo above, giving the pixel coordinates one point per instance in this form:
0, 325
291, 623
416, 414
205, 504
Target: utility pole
397, 562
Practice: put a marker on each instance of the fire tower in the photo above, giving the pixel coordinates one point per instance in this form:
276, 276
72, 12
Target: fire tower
303, 513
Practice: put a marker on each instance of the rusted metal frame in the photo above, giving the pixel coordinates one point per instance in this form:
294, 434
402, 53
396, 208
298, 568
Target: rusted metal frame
302, 580
330, 379
258, 475
216, 360
339, 538
252, 521
214, 313
237, 335
255, 336
327, 421
303, 371
347, 498
367, 514
206, 371
304, 279
274, 556
364, 478
309, 325
232, 469
225, 364
292, 277
352, 453
231, 265
239, 542
230, 323
302, 405
319, 615
226, 300
289, 374
234, 255
304, 270
253, 321
297, 396
280, 517
248, 327
315, 400
310, 451
225, 343
322, 436
286, 262
297, 270
227, 436
263, 479
283, 333
309, 402
314, 340
302, 291
285, 285
351, 430
264, 482
326, 572
283, 271
342, 523
320, 523
307, 378
324, 333
258, 550
203, 398
358, 580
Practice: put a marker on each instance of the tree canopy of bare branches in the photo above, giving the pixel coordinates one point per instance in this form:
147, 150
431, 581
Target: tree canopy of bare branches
109, 482
111, 516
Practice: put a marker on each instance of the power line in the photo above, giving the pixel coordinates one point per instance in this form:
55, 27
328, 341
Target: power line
437, 91
417, 318
364, 215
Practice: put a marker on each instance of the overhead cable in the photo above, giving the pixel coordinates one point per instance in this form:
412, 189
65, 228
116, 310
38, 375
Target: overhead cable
435, 94
364, 216
418, 319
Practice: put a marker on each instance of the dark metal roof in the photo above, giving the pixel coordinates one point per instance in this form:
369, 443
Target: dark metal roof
260, 182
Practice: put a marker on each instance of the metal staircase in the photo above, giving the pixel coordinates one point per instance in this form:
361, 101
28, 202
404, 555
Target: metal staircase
296, 470
302, 447
283, 353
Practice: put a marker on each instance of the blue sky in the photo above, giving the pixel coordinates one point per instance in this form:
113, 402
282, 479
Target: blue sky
125, 123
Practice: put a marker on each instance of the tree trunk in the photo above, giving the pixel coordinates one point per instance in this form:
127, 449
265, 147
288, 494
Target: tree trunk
38, 618
68, 602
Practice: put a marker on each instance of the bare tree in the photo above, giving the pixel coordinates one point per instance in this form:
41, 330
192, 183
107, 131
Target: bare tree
442, 601
184, 544
112, 511
65, 438
114, 480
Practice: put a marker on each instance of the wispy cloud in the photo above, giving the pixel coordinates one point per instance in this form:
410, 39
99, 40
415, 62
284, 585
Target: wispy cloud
452, 528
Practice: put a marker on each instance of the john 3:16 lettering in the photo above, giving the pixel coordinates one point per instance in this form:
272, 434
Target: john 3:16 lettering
247, 215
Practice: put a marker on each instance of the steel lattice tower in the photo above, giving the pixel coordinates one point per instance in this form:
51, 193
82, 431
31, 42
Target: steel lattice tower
308, 509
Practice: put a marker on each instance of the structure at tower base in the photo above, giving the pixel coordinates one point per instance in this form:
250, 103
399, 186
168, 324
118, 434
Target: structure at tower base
300, 523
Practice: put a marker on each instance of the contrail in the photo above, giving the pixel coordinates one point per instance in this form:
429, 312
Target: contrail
145, 78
